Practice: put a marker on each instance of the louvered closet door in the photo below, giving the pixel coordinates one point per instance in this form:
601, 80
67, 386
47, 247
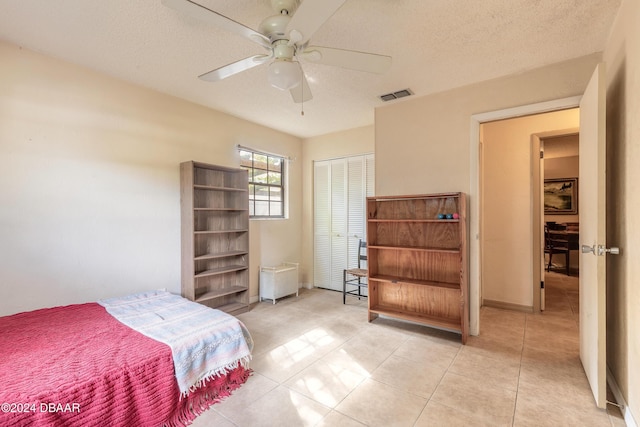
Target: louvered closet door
356, 207
322, 225
360, 186
338, 222
350, 181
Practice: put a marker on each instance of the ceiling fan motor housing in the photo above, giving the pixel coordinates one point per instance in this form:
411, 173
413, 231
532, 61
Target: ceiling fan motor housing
282, 50
274, 27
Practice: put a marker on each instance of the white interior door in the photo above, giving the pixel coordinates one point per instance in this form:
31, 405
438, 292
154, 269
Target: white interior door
591, 204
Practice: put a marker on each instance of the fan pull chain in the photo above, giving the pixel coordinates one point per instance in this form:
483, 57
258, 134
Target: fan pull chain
301, 90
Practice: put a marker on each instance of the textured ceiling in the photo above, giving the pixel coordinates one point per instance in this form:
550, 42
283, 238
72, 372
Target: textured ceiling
435, 45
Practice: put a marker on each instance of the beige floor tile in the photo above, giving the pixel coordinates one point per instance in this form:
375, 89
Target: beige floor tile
531, 411
502, 349
552, 330
574, 300
558, 392
436, 414
336, 419
475, 398
500, 324
265, 340
545, 339
475, 364
384, 336
212, 418
491, 315
286, 360
256, 387
552, 342
376, 404
512, 331
339, 327
364, 352
281, 407
550, 322
360, 357
325, 338
558, 303
293, 318
542, 365
325, 382
438, 351
419, 378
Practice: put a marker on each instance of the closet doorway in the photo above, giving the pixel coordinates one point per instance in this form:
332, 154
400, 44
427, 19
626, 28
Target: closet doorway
341, 187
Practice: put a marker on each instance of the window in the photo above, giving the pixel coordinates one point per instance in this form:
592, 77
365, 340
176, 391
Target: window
266, 183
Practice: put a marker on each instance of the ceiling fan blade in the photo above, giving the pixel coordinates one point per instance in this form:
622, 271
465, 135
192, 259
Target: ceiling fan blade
209, 16
234, 68
302, 92
351, 59
310, 16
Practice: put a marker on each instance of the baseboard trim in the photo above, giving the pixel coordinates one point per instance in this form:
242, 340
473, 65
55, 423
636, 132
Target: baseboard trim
624, 408
507, 306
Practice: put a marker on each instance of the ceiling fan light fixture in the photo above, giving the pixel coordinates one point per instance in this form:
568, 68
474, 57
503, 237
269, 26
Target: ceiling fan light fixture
284, 74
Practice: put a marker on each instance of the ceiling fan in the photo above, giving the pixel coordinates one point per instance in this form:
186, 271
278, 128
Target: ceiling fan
285, 36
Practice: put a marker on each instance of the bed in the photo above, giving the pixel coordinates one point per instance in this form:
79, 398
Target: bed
149, 359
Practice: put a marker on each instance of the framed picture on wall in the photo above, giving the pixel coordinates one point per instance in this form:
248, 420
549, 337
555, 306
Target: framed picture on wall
561, 196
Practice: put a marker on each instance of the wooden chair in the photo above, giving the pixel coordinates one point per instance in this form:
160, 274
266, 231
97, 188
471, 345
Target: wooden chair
355, 276
555, 246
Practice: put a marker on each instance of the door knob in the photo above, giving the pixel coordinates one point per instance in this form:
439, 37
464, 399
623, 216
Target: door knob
600, 251
586, 249
613, 250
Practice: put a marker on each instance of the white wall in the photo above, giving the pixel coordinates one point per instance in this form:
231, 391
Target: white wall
89, 183
507, 244
622, 56
423, 144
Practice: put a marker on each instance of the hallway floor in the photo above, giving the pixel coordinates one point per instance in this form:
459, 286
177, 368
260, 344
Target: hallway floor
318, 362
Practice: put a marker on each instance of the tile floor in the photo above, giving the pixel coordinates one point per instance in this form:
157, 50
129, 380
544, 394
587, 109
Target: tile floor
318, 362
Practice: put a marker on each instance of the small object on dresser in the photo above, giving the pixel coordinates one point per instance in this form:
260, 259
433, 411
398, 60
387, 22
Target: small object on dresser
456, 216
449, 216
441, 216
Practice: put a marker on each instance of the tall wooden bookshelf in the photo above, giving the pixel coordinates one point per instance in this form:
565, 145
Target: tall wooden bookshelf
214, 205
417, 258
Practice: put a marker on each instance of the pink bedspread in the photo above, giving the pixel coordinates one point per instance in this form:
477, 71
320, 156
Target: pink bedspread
78, 366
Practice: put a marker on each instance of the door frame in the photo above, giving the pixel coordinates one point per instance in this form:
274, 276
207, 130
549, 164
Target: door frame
475, 283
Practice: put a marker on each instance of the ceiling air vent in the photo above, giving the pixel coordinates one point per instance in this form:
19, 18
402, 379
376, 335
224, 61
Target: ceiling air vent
395, 95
